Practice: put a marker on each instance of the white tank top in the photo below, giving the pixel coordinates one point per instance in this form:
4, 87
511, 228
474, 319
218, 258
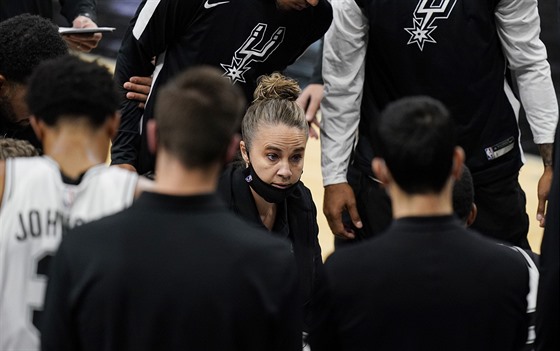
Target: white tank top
37, 208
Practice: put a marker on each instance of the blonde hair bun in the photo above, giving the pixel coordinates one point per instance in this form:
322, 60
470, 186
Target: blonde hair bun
276, 86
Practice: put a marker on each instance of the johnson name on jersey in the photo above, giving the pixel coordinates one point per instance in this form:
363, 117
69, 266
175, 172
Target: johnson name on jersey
37, 209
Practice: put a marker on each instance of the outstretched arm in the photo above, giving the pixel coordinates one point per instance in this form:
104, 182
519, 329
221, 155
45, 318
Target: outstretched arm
518, 25
343, 74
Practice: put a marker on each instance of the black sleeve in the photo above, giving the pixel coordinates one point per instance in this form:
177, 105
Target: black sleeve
323, 19
73, 8
317, 75
57, 327
150, 32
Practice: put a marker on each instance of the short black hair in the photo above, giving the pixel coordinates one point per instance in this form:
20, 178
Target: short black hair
25, 41
70, 87
197, 114
463, 194
416, 138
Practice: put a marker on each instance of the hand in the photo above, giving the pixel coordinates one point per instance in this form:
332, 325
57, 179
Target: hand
543, 189
310, 101
83, 42
338, 198
138, 89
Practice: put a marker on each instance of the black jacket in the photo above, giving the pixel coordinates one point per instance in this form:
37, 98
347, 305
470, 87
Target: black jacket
302, 224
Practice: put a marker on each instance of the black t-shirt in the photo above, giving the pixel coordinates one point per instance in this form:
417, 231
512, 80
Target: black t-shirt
426, 284
172, 273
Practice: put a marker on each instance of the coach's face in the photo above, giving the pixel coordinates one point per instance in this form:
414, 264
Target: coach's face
13, 108
295, 4
277, 154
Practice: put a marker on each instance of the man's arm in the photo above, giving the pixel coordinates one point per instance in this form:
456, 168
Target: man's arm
311, 96
154, 27
518, 26
345, 47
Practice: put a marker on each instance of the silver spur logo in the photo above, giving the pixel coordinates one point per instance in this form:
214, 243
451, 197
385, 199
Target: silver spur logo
425, 14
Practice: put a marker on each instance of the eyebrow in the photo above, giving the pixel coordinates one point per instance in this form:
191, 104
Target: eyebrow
275, 148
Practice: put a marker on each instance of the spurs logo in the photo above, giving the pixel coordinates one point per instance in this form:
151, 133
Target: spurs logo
424, 17
253, 51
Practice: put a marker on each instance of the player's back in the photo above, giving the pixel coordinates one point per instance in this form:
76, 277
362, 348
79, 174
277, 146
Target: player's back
39, 205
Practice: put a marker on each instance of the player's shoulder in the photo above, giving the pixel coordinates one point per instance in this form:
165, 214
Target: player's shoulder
104, 175
36, 162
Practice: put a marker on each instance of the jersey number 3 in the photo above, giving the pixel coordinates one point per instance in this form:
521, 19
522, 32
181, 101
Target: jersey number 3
42, 272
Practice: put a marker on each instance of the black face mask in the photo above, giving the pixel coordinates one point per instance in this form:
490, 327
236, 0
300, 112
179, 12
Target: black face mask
268, 192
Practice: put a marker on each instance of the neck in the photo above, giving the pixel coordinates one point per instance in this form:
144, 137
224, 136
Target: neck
421, 205
173, 178
267, 210
76, 149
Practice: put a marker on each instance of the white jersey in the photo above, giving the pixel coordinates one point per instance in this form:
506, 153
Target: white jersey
37, 209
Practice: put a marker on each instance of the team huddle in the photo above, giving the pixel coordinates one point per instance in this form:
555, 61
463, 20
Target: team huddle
201, 234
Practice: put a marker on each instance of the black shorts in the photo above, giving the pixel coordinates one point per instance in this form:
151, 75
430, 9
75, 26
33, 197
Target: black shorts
501, 211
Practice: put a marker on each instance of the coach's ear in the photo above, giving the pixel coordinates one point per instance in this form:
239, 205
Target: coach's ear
152, 136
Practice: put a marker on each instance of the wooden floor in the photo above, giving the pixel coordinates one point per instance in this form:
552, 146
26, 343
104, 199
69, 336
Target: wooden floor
529, 177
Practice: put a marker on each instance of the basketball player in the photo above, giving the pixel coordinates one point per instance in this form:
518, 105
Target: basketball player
177, 270
427, 283
244, 39
456, 51
73, 106
25, 41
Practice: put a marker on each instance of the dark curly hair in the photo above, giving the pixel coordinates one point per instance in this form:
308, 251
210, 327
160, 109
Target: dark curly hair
69, 87
25, 41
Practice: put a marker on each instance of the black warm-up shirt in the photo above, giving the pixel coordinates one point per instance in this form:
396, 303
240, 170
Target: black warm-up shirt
172, 273
244, 39
427, 284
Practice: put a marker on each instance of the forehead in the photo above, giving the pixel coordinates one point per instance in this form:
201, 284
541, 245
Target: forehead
279, 136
